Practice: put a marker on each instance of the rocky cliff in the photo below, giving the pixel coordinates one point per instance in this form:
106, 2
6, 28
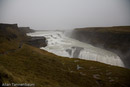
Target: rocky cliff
115, 39
37, 41
10, 32
26, 29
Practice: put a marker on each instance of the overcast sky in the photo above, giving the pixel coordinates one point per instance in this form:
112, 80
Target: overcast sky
65, 14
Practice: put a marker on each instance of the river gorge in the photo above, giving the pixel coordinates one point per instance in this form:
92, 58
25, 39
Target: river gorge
61, 45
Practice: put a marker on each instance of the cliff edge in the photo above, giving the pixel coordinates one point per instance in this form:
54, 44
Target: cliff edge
115, 39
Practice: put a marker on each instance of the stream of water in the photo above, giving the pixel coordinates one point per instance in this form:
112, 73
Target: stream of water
62, 45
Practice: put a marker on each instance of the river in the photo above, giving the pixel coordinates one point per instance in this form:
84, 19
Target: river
61, 45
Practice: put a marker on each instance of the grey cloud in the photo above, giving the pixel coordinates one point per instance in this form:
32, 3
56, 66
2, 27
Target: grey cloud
65, 14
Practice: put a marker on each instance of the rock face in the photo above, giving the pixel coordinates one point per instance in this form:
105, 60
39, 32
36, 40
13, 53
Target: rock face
37, 41
2, 26
115, 39
13, 32
26, 29
9, 31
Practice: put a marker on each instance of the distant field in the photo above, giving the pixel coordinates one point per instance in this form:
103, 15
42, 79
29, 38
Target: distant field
107, 29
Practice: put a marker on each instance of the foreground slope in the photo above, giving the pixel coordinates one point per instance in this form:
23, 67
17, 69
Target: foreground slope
28, 64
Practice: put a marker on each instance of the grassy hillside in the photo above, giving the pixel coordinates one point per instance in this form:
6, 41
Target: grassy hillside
32, 65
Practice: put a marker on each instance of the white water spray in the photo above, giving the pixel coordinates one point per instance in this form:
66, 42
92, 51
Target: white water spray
61, 45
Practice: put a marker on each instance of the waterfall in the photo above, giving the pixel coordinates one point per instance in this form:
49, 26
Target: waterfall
61, 45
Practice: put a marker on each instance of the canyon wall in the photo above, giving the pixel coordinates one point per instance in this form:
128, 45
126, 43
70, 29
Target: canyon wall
115, 39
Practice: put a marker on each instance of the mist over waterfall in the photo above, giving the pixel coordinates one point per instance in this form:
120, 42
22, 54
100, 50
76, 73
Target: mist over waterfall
60, 44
